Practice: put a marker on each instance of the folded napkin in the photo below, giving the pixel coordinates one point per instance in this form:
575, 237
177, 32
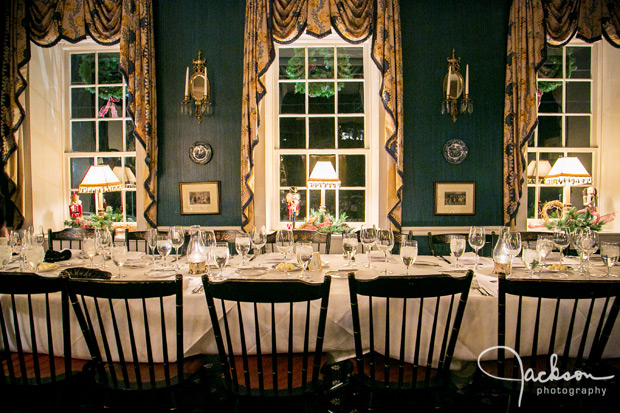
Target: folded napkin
81, 272
55, 256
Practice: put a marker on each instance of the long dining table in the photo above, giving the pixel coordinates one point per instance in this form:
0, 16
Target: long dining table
478, 330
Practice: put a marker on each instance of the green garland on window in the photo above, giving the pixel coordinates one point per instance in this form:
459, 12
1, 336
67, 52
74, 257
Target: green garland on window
108, 73
553, 69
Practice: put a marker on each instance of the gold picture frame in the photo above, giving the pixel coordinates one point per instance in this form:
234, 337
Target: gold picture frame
200, 198
455, 198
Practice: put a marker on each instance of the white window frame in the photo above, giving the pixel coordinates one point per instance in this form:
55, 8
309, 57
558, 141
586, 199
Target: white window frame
92, 47
595, 129
371, 149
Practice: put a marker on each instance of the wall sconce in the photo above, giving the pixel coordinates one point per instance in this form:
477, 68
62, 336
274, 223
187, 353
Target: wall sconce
198, 89
453, 85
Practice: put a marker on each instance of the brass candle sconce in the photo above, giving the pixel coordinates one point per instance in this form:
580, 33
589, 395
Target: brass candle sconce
456, 90
197, 97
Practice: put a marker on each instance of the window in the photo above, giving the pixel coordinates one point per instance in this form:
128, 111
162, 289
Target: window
99, 131
321, 112
566, 122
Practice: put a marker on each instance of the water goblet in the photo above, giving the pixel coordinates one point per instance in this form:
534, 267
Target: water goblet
349, 244
561, 239
242, 246
304, 256
119, 256
544, 243
609, 255
591, 247
530, 256
512, 245
34, 256
163, 248
221, 255
476, 239
284, 242
15, 240
177, 239
103, 239
385, 242
457, 248
259, 239
368, 236
89, 248
151, 242
409, 253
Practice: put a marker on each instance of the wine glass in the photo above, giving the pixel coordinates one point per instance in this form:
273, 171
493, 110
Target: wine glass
530, 256
476, 239
89, 248
220, 256
242, 245
103, 240
457, 248
208, 238
561, 240
304, 256
349, 244
151, 241
39, 237
177, 239
385, 242
164, 246
609, 255
368, 236
34, 255
544, 243
512, 245
284, 242
591, 247
259, 239
409, 253
15, 239
119, 256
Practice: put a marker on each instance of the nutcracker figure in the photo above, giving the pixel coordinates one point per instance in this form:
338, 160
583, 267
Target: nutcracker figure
75, 208
293, 200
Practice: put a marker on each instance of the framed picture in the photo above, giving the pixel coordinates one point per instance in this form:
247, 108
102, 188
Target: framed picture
200, 198
455, 198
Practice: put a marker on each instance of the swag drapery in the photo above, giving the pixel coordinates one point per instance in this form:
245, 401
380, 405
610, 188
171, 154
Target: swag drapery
283, 21
533, 24
46, 22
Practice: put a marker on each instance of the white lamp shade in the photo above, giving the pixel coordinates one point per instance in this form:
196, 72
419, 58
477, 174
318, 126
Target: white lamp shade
568, 171
544, 167
323, 176
126, 173
100, 178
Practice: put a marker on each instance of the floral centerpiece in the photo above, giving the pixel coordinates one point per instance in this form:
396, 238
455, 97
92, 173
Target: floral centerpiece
325, 222
573, 219
109, 218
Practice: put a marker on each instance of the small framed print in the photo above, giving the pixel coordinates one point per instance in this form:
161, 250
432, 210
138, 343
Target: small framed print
198, 198
455, 198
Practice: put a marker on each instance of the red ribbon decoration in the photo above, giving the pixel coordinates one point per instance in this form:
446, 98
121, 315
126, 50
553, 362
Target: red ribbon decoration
109, 106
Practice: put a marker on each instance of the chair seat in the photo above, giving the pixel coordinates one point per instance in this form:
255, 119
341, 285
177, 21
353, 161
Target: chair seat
45, 362
191, 365
393, 373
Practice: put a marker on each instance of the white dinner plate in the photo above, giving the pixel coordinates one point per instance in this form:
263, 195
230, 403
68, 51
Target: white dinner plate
161, 273
250, 272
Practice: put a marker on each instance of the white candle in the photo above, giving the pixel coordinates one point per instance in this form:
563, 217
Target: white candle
467, 80
205, 92
186, 80
449, 81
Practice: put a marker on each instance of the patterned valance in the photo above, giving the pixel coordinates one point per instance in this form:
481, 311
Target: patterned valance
46, 22
283, 21
533, 24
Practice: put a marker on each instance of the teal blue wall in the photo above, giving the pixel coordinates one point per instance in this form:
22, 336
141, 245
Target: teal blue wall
430, 29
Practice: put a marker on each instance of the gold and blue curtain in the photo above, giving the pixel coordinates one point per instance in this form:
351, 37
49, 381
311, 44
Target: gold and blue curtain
108, 22
532, 25
283, 21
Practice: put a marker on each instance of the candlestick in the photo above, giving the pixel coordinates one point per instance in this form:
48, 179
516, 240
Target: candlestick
186, 81
205, 89
467, 80
449, 81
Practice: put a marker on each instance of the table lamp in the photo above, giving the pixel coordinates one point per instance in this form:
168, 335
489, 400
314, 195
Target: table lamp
126, 175
99, 179
568, 171
533, 176
323, 177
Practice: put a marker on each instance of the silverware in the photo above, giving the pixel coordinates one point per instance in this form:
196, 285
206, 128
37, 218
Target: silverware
198, 289
445, 259
253, 256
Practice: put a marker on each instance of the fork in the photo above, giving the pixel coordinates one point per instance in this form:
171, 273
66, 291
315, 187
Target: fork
476, 286
198, 289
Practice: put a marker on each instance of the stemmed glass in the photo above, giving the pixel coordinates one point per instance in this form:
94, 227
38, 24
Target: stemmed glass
15, 238
476, 239
304, 256
259, 239
208, 238
34, 255
164, 246
409, 253
220, 256
103, 239
349, 244
177, 239
457, 248
284, 242
609, 255
544, 244
119, 256
561, 240
39, 237
151, 241
512, 245
385, 242
89, 248
368, 236
530, 256
242, 245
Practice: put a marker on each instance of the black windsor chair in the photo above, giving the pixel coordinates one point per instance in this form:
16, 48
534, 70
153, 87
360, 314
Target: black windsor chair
70, 238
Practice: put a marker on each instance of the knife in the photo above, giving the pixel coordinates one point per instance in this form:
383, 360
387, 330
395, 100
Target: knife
444, 258
253, 256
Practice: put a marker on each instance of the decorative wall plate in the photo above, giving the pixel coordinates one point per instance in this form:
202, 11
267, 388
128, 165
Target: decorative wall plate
200, 152
455, 151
